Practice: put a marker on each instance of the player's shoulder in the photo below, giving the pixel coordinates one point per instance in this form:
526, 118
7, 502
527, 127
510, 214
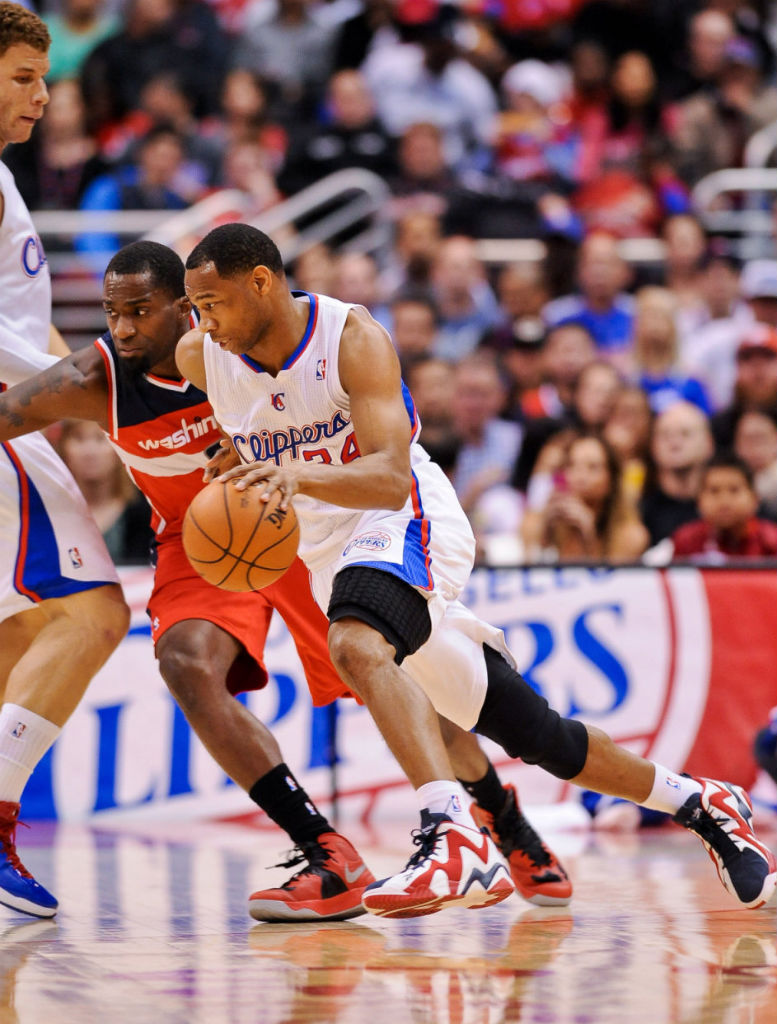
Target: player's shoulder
361, 326
191, 343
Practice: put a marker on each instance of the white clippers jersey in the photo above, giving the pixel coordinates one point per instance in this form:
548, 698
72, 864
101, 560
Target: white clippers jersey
50, 544
303, 413
25, 304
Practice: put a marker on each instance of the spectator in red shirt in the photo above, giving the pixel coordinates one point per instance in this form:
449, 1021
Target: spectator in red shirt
728, 527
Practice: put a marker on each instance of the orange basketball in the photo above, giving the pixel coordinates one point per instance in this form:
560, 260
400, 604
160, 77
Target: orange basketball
237, 542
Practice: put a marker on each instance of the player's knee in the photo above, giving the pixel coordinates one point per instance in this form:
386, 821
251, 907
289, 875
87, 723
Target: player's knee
522, 722
358, 653
189, 676
103, 621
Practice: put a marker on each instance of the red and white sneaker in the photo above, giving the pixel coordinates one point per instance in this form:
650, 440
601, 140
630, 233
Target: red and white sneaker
536, 872
329, 888
454, 865
720, 816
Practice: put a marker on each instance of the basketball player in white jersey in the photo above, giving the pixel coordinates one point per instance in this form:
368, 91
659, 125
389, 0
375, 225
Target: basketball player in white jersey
309, 390
62, 611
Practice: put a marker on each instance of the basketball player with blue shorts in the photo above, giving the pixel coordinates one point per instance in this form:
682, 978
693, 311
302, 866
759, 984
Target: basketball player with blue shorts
309, 390
62, 612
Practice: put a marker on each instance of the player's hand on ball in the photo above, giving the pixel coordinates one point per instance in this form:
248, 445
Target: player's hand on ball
269, 477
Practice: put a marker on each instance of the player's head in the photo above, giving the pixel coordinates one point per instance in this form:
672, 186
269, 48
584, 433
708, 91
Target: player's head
236, 249
234, 277
24, 46
727, 499
145, 305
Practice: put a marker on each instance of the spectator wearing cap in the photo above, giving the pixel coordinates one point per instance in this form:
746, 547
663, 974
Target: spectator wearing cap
656, 353
710, 353
602, 306
755, 386
727, 526
534, 136
520, 356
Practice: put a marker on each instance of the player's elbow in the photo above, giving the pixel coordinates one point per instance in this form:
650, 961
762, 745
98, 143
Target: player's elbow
397, 491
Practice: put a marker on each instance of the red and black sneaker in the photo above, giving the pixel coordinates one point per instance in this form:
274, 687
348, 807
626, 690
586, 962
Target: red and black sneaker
536, 872
329, 888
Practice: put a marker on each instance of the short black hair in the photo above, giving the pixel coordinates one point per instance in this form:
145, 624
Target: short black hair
160, 261
729, 460
236, 249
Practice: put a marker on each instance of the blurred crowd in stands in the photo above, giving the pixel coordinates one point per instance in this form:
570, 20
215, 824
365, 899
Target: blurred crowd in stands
586, 408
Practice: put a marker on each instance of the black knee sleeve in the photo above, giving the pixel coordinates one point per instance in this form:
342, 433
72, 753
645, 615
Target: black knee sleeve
385, 602
524, 725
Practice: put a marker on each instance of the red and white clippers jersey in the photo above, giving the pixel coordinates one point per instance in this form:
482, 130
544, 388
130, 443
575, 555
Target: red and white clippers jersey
160, 429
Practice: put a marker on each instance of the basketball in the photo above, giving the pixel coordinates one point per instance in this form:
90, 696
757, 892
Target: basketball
237, 542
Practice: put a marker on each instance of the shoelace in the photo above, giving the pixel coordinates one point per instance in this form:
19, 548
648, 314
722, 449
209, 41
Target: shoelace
313, 853
705, 827
425, 839
8, 843
515, 833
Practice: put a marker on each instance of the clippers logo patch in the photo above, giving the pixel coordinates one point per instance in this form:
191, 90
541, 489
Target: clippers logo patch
33, 256
278, 401
321, 369
369, 542
75, 558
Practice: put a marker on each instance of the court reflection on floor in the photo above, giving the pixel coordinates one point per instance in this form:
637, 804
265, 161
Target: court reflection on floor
154, 928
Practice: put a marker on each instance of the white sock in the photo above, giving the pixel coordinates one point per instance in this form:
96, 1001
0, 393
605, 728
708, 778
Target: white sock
670, 790
24, 739
446, 797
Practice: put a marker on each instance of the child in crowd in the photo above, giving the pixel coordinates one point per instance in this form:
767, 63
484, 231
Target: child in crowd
728, 526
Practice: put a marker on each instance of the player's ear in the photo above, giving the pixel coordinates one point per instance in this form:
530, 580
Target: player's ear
262, 279
183, 306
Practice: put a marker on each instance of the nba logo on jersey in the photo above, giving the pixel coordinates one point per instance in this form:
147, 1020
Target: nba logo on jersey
18, 729
75, 558
278, 402
321, 369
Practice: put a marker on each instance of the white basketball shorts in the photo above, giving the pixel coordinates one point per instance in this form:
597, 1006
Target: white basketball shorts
50, 545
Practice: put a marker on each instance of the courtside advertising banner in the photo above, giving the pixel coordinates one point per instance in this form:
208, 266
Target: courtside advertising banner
679, 665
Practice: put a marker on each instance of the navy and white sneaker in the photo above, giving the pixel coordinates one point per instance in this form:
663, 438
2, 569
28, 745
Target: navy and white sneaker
454, 865
721, 817
18, 889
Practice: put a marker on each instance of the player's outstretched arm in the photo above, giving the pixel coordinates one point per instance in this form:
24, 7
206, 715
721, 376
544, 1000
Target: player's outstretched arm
73, 388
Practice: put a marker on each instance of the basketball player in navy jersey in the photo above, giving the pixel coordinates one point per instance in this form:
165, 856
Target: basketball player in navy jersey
62, 612
389, 551
129, 385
